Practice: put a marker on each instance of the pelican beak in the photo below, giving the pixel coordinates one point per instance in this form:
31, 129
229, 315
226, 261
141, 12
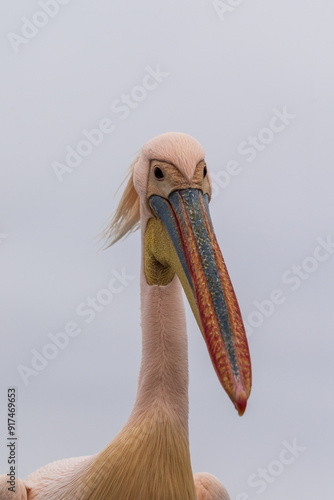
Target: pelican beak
200, 266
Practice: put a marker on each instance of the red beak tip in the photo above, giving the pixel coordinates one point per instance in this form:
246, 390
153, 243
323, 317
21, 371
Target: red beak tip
240, 401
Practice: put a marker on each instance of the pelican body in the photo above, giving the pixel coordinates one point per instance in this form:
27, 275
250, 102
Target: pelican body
168, 193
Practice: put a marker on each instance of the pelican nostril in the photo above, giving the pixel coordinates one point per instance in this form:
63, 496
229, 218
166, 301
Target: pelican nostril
205, 171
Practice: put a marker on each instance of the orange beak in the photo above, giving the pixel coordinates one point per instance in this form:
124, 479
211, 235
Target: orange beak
185, 215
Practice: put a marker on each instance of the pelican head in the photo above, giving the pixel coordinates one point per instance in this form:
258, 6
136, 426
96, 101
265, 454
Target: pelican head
169, 191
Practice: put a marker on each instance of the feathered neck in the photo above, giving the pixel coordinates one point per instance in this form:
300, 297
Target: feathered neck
150, 457
163, 378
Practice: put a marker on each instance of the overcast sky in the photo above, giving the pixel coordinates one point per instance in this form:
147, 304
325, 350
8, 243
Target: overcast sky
253, 82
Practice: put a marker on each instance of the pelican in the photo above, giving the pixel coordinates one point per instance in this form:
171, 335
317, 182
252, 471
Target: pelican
167, 194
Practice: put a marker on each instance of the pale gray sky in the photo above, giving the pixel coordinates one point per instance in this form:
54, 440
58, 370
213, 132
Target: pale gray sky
253, 82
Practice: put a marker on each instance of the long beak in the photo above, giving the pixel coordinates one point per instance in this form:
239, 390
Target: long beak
208, 287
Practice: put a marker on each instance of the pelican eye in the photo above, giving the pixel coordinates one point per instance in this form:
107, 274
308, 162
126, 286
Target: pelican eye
205, 171
158, 173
